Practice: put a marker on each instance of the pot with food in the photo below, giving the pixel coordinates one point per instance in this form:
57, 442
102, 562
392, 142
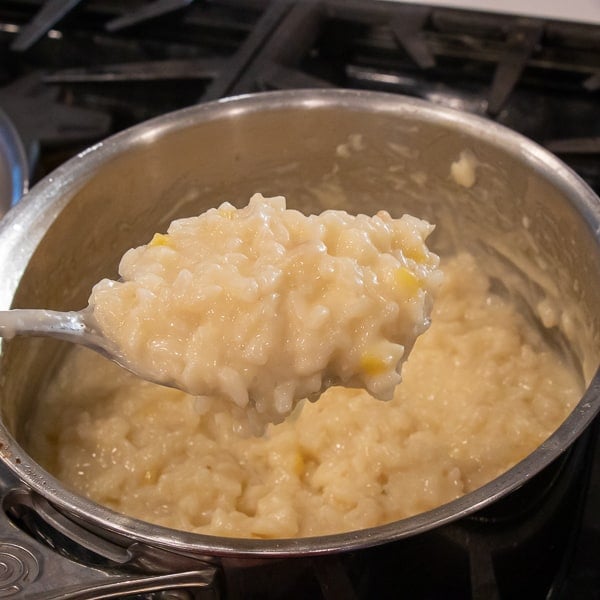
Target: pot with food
432, 388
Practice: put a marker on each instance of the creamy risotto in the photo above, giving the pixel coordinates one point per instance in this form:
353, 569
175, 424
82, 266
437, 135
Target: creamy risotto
266, 306
480, 391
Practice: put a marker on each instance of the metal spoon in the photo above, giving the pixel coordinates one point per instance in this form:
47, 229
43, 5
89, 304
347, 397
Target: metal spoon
78, 327
74, 326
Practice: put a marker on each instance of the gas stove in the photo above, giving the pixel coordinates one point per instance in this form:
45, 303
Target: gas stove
72, 77
98, 70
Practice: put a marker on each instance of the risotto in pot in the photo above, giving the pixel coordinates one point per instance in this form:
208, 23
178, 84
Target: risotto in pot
480, 391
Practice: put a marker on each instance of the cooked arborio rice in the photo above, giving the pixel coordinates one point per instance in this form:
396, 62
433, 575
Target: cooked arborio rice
267, 306
479, 392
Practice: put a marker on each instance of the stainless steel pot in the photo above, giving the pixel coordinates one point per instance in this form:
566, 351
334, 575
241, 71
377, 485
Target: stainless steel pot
532, 222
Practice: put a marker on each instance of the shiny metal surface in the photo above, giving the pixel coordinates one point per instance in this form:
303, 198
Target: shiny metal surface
532, 222
14, 172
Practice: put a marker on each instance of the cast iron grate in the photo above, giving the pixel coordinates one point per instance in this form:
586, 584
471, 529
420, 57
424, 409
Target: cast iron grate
538, 77
82, 81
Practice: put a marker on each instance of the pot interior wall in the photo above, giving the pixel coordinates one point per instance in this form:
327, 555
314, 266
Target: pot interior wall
521, 224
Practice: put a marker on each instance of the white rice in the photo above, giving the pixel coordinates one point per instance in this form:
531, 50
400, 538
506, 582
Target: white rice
266, 306
480, 391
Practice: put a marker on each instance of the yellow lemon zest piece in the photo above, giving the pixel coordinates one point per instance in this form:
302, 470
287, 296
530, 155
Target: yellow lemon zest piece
159, 239
417, 254
408, 282
372, 364
299, 465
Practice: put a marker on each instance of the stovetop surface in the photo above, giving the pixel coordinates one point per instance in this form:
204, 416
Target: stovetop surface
95, 76
103, 67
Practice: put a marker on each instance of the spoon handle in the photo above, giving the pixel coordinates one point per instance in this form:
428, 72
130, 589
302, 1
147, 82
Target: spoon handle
74, 326
69, 326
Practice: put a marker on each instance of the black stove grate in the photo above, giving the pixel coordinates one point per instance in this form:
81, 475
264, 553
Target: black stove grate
89, 76
541, 78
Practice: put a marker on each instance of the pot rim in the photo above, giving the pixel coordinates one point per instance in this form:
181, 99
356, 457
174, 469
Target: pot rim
46, 199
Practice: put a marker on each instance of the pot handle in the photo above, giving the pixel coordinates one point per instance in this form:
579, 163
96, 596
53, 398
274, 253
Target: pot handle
31, 570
